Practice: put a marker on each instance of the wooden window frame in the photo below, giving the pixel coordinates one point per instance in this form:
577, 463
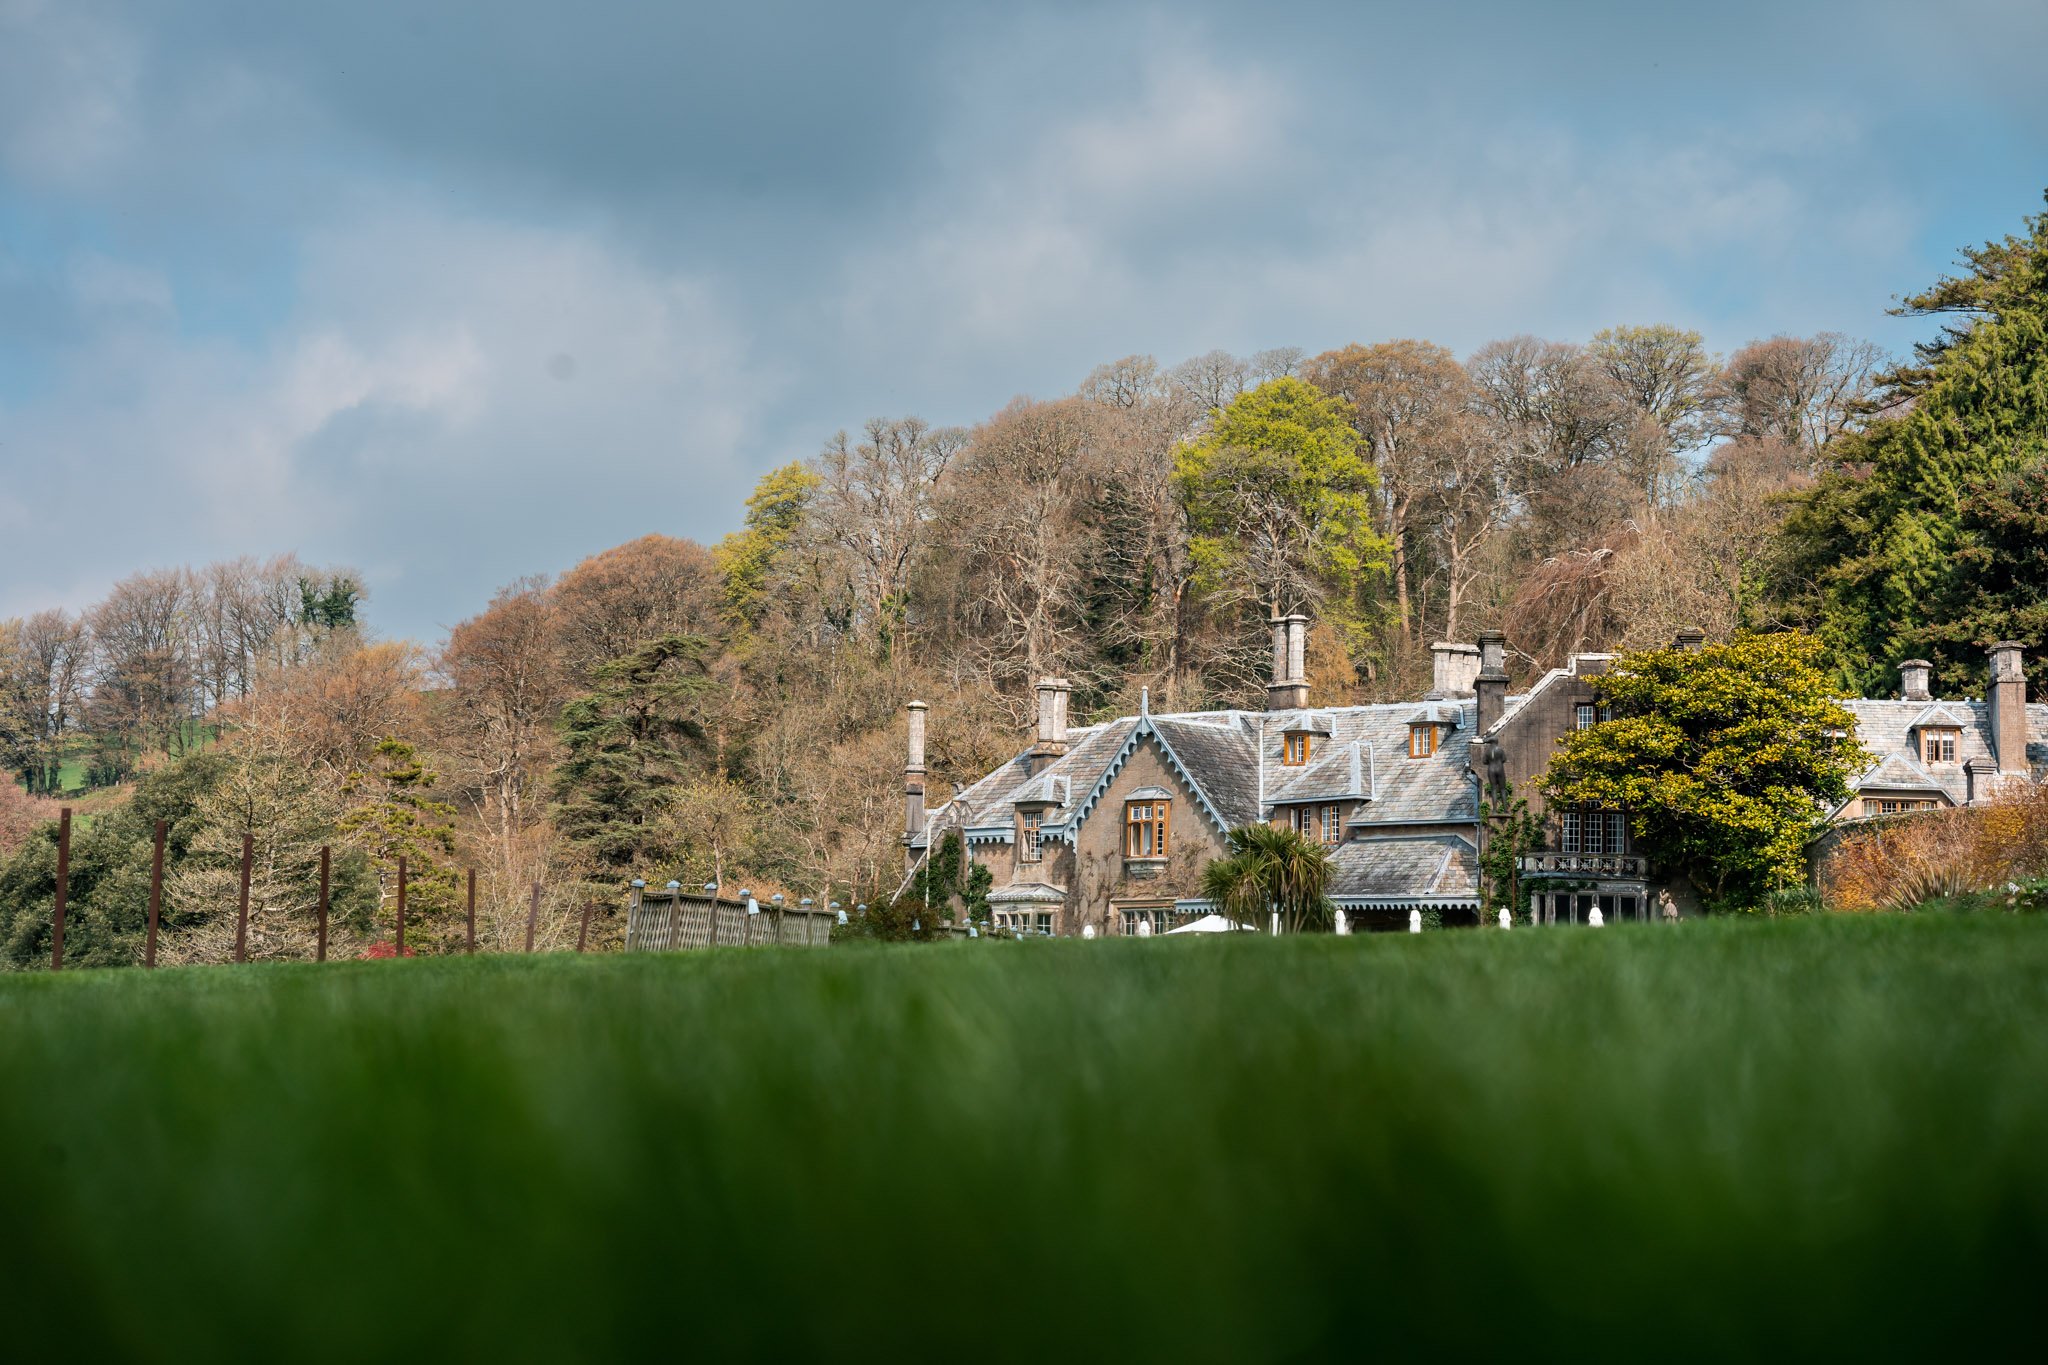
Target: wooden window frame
1030, 848
1333, 824
1422, 741
1295, 749
1159, 822
1938, 744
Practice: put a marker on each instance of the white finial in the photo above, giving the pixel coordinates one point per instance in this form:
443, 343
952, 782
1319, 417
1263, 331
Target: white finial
1414, 921
1505, 922
1144, 701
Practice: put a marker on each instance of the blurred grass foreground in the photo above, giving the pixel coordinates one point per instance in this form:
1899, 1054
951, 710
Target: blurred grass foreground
1826, 1136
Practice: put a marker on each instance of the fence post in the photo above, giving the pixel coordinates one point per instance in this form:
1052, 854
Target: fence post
320, 952
156, 895
63, 885
471, 944
401, 906
583, 932
242, 915
532, 916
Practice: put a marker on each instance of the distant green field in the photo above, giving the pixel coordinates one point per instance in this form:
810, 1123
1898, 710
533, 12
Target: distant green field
1825, 1137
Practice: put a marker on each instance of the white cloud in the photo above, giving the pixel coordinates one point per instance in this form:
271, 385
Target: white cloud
451, 398
67, 91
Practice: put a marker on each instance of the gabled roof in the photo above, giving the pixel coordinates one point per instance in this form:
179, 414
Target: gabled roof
1939, 716
1896, 772
1230, 761
1886, 728
1028, 893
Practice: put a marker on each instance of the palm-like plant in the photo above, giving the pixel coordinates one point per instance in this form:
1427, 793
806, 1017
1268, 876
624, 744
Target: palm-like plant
1271, 869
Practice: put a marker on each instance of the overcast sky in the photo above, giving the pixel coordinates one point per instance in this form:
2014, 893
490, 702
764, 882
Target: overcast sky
461, 292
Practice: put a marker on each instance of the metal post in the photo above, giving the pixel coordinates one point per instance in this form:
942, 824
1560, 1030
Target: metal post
63, 886
242, 915
471, 945
320, 953
583, 932
156, 895
532, 916
401, 906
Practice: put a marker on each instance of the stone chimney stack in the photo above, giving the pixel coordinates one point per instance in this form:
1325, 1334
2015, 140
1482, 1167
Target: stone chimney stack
1289, 689
1456, 669
1691, 638
1491, 682
1913, 676
1052, 717
2008, 698
913, 773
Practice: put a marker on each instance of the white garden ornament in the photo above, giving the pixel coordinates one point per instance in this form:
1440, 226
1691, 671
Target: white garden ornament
1343, 924
1593, 918
1414, 921
1505, 922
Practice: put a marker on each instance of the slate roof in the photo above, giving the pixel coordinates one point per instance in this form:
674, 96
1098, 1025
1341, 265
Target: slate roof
1886, 729
1361, 752
1412, 867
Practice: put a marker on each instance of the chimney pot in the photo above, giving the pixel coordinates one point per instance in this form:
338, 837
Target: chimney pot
1913, 676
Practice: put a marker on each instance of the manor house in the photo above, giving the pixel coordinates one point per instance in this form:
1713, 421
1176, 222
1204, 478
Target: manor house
1110, 824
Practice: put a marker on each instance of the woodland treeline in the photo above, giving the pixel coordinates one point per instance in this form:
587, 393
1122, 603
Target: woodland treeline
669, 709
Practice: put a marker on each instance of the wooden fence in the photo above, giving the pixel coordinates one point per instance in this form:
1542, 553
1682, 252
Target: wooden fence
659, 921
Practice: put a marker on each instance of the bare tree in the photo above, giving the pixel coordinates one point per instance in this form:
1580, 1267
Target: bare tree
874, 506
507, 683
656, 585
1016, 507
1799, 391
145, 684
1665, 376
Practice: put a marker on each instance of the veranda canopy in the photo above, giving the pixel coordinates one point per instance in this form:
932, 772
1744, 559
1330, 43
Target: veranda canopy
1210, 924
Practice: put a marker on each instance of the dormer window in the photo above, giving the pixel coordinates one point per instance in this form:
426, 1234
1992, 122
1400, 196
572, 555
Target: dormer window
1938, 745
1028, 836
1294, 749
1422, 739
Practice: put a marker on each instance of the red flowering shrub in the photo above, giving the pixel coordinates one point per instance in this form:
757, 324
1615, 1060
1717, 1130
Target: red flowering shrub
386, 948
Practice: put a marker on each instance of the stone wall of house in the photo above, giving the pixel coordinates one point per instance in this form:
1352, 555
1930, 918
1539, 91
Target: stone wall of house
1098, 880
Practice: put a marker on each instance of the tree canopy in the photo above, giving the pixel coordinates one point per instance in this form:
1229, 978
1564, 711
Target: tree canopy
1279, 497
1727, 760
1884, 550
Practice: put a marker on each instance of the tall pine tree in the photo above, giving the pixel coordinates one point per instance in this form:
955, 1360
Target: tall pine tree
1891, 557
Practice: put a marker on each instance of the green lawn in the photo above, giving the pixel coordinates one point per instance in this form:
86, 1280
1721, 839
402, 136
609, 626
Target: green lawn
1822, 1137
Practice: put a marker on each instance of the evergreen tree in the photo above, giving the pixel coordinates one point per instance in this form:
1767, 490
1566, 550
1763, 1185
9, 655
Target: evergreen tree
632, 742
1726, 759
396, 816
1884, 558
